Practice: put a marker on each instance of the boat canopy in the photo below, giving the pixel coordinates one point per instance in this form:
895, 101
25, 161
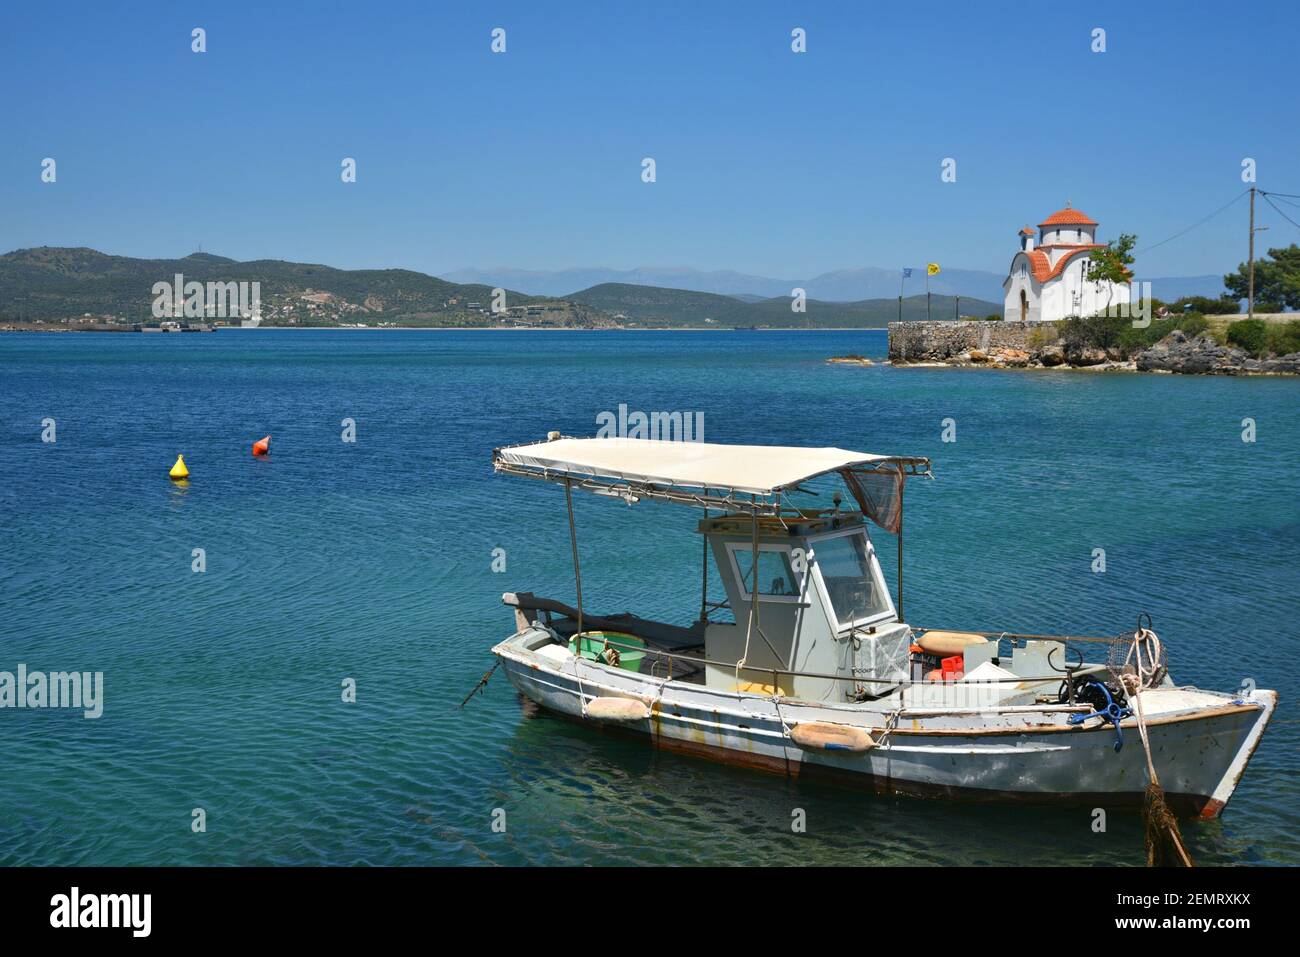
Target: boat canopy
709, 474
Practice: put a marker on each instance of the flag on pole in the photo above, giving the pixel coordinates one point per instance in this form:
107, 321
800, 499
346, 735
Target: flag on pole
932, 269
907, 272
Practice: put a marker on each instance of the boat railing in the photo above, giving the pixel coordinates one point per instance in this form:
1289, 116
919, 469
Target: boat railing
902, 683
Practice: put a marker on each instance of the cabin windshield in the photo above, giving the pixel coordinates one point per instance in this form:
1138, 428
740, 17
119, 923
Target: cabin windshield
775, 576
853, 585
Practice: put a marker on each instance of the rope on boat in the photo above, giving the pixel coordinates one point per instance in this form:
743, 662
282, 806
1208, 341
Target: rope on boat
785, 728
890, 724
786, 733
482, 683
1164, 841
658, 697
577, 673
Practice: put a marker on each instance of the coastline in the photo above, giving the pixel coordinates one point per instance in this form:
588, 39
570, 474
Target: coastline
1131, 366
1120, 368
1051, 345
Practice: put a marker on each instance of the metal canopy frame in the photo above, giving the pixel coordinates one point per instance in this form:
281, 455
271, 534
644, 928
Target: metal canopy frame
728, 499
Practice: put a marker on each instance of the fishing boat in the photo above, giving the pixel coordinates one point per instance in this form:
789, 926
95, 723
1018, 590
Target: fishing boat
804, 664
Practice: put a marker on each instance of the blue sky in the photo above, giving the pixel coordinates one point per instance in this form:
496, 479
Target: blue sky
767, 161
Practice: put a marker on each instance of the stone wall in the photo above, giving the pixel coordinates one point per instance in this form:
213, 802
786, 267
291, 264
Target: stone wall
938, 341
1038, 345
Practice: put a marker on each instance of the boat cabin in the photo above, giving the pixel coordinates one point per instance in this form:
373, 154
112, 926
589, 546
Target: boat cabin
822, 608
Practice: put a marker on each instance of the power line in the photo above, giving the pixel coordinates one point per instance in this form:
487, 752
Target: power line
1199, 222
1288, 202
1280, 213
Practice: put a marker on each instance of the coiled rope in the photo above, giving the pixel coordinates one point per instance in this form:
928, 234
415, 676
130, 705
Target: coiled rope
1164, 841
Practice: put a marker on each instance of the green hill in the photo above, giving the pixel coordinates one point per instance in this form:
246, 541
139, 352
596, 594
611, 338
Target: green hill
53, 283
653, 306
656, 304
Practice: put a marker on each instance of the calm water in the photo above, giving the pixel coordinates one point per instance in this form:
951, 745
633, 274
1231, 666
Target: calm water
372, 561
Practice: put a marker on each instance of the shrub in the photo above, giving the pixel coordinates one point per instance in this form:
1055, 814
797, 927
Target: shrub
1104, 332
1248, 334
1223, 306
993, 317
1193, 324
1098, 331
1283, 338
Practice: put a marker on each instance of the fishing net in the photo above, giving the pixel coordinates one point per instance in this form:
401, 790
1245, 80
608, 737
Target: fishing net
879, 493
1164, 841
1138, 660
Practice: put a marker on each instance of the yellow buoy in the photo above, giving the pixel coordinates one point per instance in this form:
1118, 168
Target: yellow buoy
179, 471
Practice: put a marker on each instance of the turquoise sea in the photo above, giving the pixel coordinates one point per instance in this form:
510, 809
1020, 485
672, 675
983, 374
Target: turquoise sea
372, 561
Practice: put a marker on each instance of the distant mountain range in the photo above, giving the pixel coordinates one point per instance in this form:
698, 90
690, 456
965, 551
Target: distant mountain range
80, 286
843, 285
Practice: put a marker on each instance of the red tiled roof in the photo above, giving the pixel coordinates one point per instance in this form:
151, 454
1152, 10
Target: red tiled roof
1027, 231
1068, 217
1041, 266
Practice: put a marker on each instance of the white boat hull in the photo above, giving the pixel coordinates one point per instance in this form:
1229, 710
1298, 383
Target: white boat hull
1200, 741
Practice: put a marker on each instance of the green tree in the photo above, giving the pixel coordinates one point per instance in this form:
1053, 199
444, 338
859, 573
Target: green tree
1110, 263
1277, 278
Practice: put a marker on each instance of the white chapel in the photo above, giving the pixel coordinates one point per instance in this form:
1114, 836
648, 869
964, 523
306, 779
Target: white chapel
1047, 278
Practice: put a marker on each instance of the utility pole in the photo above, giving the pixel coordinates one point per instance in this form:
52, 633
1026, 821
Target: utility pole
956, 312
1250, 288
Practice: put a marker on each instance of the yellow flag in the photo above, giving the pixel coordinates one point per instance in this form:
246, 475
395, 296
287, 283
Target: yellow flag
932, 269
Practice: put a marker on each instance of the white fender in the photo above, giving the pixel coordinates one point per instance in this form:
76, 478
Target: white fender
617, 709
821, 736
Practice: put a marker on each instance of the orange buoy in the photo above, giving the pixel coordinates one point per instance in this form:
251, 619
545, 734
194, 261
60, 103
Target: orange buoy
262, 446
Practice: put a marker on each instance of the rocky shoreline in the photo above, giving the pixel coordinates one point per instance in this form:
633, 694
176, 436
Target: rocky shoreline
1175, 353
